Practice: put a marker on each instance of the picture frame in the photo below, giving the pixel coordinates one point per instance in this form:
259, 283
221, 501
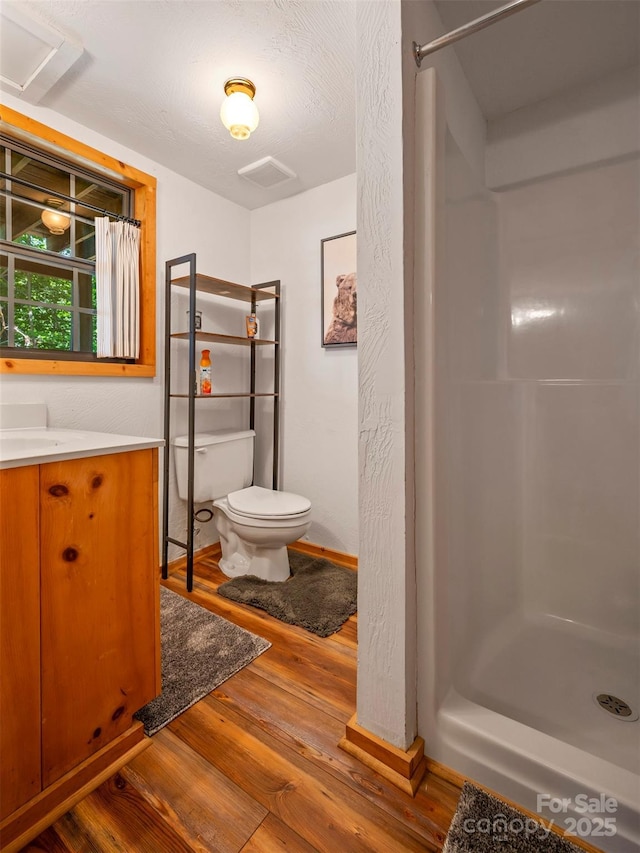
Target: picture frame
338, 300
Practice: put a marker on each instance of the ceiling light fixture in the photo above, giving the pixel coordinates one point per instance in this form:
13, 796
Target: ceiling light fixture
56, 222
238, 112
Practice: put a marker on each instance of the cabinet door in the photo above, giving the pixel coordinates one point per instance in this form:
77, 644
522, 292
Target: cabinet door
100, 602
19, 638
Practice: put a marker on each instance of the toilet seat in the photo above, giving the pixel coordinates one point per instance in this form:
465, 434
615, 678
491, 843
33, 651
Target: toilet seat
256, 502
274, 522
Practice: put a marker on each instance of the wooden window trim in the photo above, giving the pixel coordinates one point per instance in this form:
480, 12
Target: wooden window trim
144, 186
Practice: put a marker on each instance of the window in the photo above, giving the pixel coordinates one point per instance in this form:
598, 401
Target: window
47, 264
46, 307
51, 189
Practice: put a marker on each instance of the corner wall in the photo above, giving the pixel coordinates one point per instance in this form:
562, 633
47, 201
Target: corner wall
386, 698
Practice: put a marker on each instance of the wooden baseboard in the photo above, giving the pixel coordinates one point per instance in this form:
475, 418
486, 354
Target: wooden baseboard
210, 552
214, 552
40, 812
403, 768
349, 561
453, 777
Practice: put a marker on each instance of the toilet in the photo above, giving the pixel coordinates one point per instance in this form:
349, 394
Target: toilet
255, 524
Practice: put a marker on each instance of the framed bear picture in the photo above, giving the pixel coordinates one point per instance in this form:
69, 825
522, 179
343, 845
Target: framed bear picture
339, 296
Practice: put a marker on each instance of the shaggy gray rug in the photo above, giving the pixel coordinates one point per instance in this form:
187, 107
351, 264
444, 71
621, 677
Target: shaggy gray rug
199, 651
319, 595
484, 824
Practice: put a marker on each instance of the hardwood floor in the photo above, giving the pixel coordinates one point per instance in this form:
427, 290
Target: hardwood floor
255, 766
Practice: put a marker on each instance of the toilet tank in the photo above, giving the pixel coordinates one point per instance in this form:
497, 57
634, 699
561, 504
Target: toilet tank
223, 463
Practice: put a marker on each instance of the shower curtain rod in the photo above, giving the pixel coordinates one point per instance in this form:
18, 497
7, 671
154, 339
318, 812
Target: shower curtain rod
422, 50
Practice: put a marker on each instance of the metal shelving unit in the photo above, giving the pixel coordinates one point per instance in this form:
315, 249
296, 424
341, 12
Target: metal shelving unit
198, 283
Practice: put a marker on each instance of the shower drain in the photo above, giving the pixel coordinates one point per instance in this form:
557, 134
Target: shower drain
616, 706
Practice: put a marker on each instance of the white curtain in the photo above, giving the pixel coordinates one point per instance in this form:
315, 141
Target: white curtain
117, 288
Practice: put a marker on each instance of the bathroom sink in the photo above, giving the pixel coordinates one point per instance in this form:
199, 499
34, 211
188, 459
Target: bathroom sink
38, 445
11, 445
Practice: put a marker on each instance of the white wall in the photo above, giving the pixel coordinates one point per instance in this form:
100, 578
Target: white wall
319, 415
189, 219
386, 594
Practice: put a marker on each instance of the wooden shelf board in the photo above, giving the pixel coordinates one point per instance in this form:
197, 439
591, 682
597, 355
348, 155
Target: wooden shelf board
215, 337
219, 287
210, 396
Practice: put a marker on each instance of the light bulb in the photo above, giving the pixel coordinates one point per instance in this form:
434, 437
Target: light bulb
56, 222
238, 112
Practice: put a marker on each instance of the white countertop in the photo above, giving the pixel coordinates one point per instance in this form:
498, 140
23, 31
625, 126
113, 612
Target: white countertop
38, 445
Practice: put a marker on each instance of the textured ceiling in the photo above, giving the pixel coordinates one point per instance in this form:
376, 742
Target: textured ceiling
543, 49
152, 74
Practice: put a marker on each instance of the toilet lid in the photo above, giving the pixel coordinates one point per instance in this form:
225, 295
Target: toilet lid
266, 503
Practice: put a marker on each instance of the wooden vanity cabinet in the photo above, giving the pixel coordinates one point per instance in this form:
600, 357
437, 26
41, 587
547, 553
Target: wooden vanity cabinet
80, 624
20, 761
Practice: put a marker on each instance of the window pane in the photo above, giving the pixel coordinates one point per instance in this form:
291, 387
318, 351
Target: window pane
42, 328
98, 196
41, 283
42, 174
29, 229
4, 323
4, 274
26, 218
86, 291
87, 324
3, 200
85, 241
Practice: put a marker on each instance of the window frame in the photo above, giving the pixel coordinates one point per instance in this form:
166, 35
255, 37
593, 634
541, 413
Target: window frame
22, 128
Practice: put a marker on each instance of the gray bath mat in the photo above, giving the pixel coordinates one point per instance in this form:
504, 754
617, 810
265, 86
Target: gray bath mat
199, 651
319, 595
484, 824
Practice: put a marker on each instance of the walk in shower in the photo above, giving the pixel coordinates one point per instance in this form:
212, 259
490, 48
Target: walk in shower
528, 396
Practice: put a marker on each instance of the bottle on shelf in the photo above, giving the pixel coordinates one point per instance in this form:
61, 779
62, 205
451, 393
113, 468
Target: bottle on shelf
252, 326
205, 372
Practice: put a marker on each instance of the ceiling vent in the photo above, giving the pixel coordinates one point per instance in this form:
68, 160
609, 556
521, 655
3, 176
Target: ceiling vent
266, 173
34, 55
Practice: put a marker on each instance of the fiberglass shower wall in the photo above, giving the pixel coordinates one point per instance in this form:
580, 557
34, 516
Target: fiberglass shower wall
537, 372
476, 418
569, 264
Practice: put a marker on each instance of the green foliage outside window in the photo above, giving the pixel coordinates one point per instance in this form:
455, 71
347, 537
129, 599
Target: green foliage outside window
41, 320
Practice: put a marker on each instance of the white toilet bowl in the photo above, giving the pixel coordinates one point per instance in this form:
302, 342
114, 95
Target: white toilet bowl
255, 527
255, 524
